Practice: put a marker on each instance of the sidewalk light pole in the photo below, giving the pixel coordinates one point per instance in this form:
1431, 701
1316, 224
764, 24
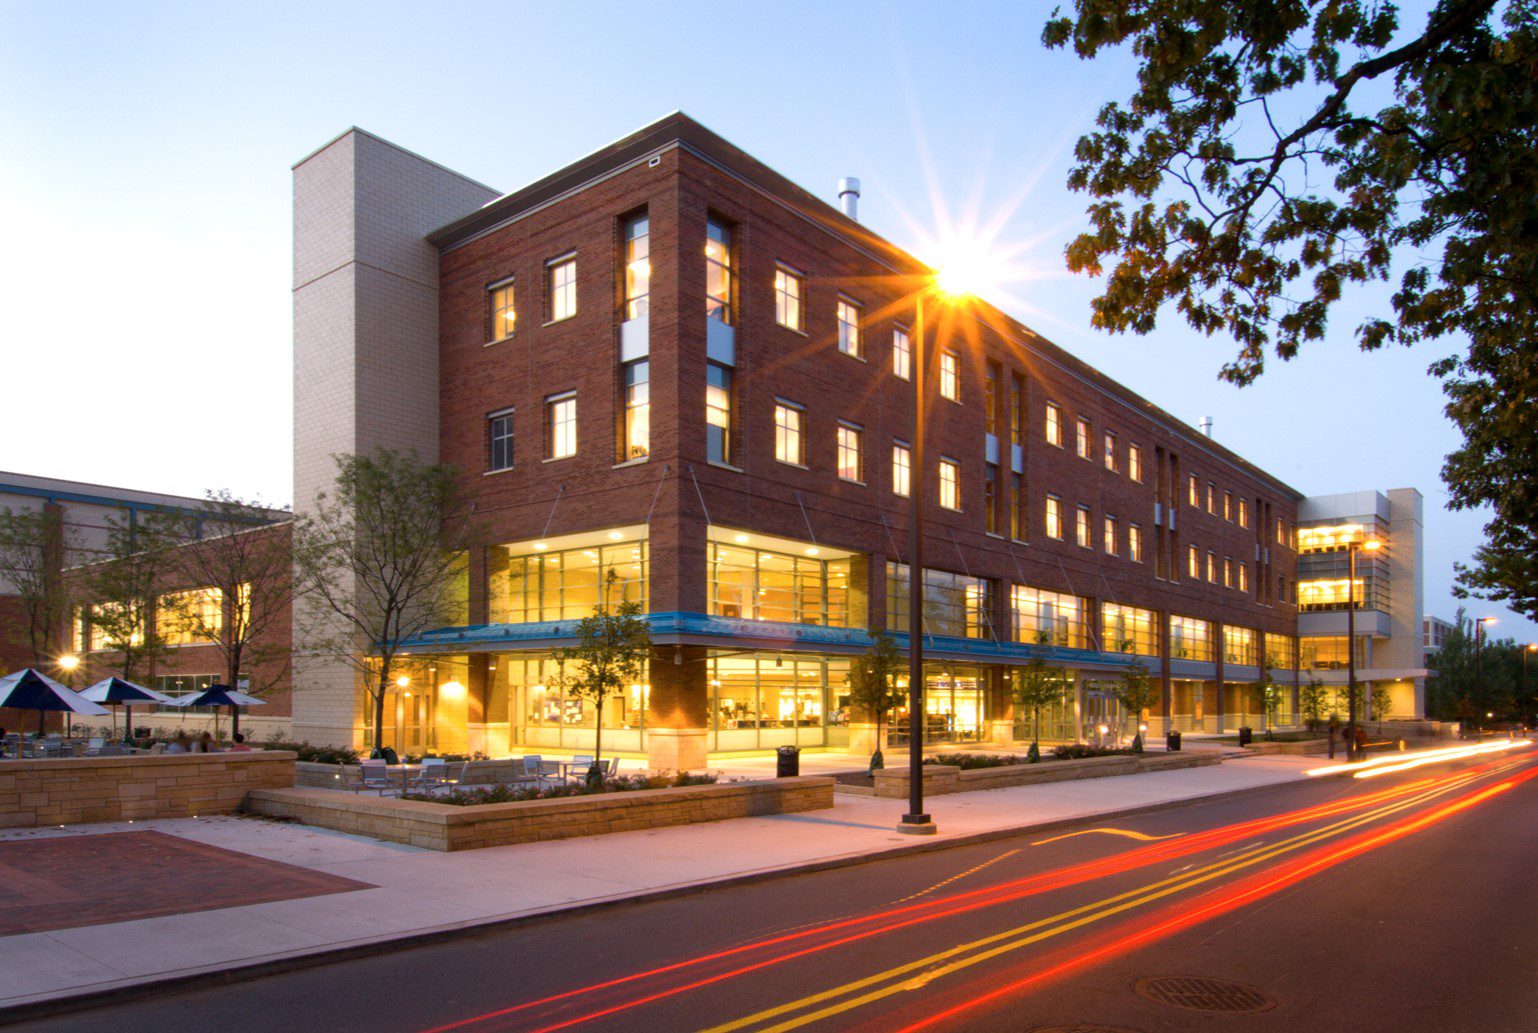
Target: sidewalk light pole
916, 822
1371, 545
1531, 647
1479, 650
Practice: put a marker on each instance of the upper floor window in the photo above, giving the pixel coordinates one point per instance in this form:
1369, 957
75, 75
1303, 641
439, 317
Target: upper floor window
991, 400
902, 467
1244, 513
561, 425
1048, 618
848, 327
1212, 497
778, 585
1135, 463
565, 583
1134, 543
1212, 568
185, 618
1054, 425
718, 413
787, 297
1228, 572
1081, 528
1110, 452
499, 440
1244, 577
950, 376
1194, 564
1194, 492
561, 287
990, 498
1281, 531
638, 267
1128, 629
954, 604
850, 463
718, 271
1081, 437
950, 484
1054, 517
1111, 546
1016, 399
902, 354
1228, 505
637, 414
504, 316
787, 433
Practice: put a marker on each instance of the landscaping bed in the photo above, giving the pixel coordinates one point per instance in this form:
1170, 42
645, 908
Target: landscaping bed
476, 795
942, 778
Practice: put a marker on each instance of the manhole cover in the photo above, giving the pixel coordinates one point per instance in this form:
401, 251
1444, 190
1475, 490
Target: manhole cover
1204, 994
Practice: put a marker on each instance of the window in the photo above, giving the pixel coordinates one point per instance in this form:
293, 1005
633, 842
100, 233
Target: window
1244, 513
1190, 639
787, 298
1054, 425
848, 327
1110, 536
561, 425
991, 400
950, 484
1054, 517
1239, 646
1081, 437
1281, 652
1228, 505
1194, 492
499, 440
850, 464
1110, 452
1015, 502
1194, 566
1212, 568
1244, 577
718, 271
637, 416
1016, 394
563, 584
1212, 497
787, 433
1048, 618
561, 287
1081, 528
1135, 463
718, 413
1228, 572
1281, 531
990, 498
764, 585
902, 354
1128, 629
1134, 543
954, 605
504, 316
187, 618
638, 267
950, 376
902, 465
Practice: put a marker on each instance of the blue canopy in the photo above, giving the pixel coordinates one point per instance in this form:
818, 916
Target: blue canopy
219, 696
29, 689
116, 690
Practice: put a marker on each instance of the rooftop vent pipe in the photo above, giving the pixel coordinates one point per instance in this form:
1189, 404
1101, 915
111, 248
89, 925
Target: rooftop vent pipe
1205, 426
849, 197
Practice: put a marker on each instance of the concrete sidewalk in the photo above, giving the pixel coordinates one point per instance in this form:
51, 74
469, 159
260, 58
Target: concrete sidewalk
418, 894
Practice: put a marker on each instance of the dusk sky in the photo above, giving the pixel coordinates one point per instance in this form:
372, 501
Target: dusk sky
145, 194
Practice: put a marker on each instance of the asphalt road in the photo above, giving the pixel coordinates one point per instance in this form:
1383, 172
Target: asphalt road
1400, 903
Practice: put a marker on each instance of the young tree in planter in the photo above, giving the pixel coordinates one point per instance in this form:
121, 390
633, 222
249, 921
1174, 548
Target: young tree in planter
614, 645
383, 557
1269, 693
1382, 699
1037, 685
123, 590
1136, 693
873, 685
32, 547
1311, 700
235, 554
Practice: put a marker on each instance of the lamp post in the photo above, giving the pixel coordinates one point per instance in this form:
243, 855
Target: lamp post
1531, 647
67, 663
1479, 650
916, 822
1371, 545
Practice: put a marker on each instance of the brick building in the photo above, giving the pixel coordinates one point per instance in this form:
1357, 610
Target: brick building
669, 361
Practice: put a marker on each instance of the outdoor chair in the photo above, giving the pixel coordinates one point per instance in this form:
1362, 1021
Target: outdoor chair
94, 744
550, 770
533, 770
375, 776
157, 749
576, 768
432, 774
613, 763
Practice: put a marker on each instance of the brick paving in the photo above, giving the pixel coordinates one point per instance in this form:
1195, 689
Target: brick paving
69, 881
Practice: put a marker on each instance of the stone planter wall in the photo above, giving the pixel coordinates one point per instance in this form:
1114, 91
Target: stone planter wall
439, 826
1304, 748
939, 779
344, 776
84, 789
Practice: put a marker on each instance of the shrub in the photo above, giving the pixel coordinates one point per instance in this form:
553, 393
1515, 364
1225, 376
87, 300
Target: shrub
315, 754
972, 761
516, 793
1079, 751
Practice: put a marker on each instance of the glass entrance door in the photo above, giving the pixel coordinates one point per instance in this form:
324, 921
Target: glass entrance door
1101, 710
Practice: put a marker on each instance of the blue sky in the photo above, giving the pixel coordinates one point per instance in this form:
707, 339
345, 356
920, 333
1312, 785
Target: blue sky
144, 187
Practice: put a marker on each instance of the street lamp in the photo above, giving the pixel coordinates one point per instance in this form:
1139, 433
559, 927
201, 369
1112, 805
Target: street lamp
1479, 649
1371, 545
1532, 647
67, 663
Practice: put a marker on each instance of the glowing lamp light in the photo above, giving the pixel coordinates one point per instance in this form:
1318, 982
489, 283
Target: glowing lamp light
1372, 544
1104, 729
540, 546
452, 690
402, 681
69, 661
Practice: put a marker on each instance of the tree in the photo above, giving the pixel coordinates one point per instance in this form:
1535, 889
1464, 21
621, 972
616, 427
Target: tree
382, 558
1037, 685
613, 647
229, 550
123, 589
1261, 171
1137, 692
32, 547
873, 685
1382, 699
1270, 695
1311, 701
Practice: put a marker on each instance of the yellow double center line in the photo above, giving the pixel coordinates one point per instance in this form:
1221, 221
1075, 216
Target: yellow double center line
992, 946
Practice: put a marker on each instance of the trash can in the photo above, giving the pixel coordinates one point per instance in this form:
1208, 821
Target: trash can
787, 762
1246, 736
1172, 742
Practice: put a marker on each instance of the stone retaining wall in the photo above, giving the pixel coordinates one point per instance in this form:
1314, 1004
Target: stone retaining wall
440, 826
340, 776
939, 779
1301, 748
68, 791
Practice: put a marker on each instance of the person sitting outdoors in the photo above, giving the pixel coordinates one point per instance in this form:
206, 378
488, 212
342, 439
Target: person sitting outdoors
206, 743
240, 743
180, 744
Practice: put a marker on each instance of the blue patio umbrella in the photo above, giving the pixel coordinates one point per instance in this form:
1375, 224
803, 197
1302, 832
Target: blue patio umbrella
119, 693
221, 696
29, 689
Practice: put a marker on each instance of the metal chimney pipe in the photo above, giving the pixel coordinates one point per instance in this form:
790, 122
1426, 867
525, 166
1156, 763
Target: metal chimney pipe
849, 197
1205, 426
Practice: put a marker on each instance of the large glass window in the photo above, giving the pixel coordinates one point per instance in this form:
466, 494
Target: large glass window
529, 583
561, 287
561, 425
504, 315
902, 354
1239, 646
1128, 629
954, 604
637, 415
788, 446
638, 267
851, 466
718, 271
762, 584
1190, 639
1328, 652
777, 700
1051, 618
950, 376
718, 413
902, 466
950, 484
499, 440
526, 692
849, 327
1281, 651
787, 297
180, 617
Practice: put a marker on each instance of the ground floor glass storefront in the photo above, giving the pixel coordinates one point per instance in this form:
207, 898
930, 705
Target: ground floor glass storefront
526, 693
763, 700
955, 706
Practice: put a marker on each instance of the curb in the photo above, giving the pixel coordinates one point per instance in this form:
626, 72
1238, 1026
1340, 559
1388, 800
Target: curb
134, 989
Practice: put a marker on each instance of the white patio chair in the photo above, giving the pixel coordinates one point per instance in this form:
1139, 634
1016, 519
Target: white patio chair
432, 774
576, 768
375, 775
613, 763
93, 745
536, 769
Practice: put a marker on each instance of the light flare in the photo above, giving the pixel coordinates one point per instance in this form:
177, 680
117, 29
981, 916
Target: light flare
1402, 761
